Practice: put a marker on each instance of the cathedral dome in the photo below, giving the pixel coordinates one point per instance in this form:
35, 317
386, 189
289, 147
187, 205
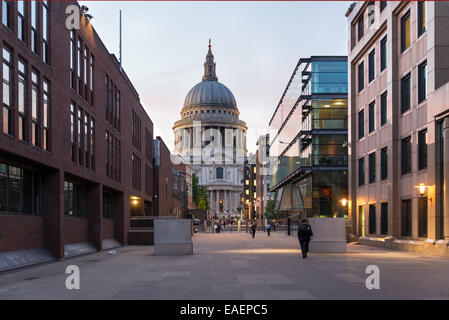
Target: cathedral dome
210, 93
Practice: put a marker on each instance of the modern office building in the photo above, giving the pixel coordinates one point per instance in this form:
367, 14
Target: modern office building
308, 133
211, 137
263, 177
399, 123
249, 195
75, 142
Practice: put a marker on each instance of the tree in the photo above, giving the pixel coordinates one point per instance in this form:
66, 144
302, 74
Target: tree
270, 212
199, 194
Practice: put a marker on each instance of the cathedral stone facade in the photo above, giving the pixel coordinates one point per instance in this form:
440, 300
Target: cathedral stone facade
211, 137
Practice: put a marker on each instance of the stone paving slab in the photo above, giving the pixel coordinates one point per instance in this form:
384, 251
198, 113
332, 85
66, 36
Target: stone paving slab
235, 266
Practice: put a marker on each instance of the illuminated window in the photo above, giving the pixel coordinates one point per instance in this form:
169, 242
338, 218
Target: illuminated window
422, 23
405, 32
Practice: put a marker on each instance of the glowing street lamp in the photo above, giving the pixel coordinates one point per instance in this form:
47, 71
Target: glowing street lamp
421, 189
344, 202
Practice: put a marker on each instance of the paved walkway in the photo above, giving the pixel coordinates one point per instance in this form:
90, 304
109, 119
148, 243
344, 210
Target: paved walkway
234, 266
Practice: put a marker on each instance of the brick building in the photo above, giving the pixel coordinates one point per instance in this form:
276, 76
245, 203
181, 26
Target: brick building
76, 145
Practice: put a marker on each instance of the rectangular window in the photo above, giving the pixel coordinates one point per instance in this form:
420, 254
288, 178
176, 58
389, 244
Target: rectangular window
372, 168
19, 190
361, 171
21, 20
422, 16
371, 66
361, 124
422, 82
35, 112
74, 200
360, 28
108, 205
384, 163
220, 173
371, 117
372, 219
383, 109
405, 93
136, 171
72, 60
79, 62
361, 76
406, 218
80, 136
383, 54
21, 100
86, 140
86, 68
7, 7
34, 34
46, 115
405, 32
422, 149
92, 143
8, 118
91, 74
422, 217
406, 156
45, 33
73, 131
384, 218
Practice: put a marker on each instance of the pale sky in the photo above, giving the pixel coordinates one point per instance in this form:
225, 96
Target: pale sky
256, 47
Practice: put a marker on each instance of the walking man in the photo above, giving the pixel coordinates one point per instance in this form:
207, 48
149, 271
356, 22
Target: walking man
268, 229
253, 229
304, 235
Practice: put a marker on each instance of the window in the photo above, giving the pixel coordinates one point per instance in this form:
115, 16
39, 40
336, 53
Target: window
136, 171
46, 115
35, 112
372, 168
136, 131
371, 66
383, 5
19, 190
7, 13
361, 171
383, 109
371, 116
406, 217
86, 68
422, 15
8, 119
405, 93
384, 218
21, 21
406, 156
80, 136
21, 100
34, 34
45, 33
361, 75
422, 82
79, 62
361, 124
384, 163
92, 144
91, 74
422, 217
372, 219
72, 60
74, 200
360, 28
86, 140
405, 32
72, 131
422, 149
219, 173
383, 54
108, 205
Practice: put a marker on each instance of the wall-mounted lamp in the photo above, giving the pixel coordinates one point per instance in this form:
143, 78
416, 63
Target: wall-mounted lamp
422, 190
344, 202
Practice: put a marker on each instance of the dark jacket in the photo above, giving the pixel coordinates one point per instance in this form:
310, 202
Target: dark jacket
305, 232
253, 228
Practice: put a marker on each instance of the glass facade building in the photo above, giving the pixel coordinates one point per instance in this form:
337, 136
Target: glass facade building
309, 158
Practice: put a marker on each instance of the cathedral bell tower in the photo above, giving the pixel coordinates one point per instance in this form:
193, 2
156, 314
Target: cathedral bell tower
209, 66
